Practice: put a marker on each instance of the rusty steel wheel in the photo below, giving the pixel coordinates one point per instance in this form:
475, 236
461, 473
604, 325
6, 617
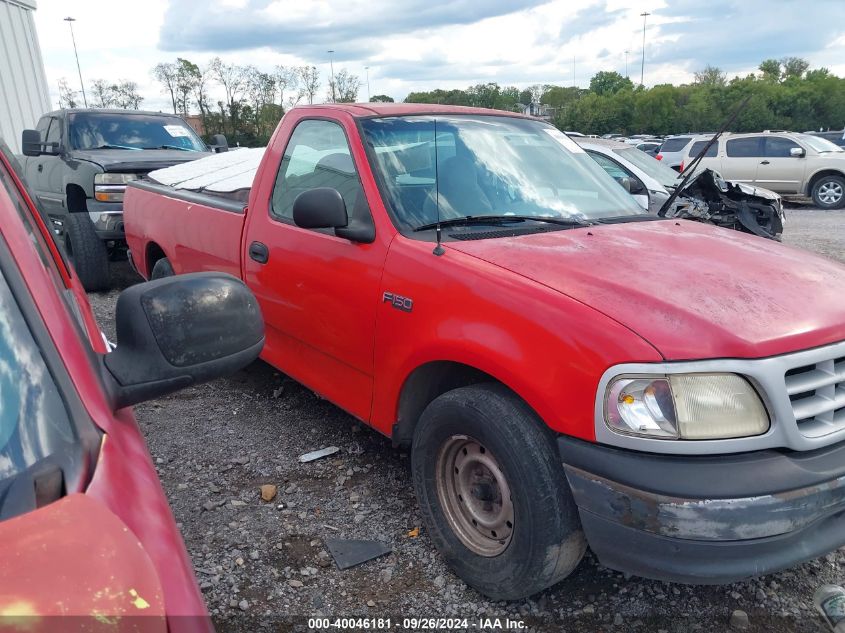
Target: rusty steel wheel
475, 495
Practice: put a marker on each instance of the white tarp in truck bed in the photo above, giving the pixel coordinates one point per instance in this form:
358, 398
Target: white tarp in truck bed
225, 173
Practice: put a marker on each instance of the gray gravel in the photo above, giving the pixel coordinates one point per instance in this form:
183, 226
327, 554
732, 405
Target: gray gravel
258, 562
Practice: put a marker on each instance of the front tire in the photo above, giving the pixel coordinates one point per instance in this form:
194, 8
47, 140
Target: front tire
829, 192
162, 268
493, 493
87, 253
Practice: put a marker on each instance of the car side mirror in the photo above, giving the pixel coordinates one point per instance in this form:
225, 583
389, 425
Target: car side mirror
320, 208
220, 144
180, 331
31, 143
797, 152
624, 181
635, 187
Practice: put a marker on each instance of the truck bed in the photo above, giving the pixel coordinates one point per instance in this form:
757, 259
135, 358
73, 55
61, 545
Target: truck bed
226, 175
149, 208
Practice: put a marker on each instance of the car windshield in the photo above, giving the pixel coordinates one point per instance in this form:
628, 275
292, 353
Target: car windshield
666, 176
96, 130
443, 168
819, 144
33, 420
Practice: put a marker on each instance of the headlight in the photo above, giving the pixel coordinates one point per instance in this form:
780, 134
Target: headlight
110, 187
685, 406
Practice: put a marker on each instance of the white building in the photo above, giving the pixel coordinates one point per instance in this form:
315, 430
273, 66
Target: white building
23, 83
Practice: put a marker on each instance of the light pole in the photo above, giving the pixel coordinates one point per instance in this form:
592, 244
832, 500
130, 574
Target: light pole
367, 70
331, 64
626, 64
642, 67
70, 22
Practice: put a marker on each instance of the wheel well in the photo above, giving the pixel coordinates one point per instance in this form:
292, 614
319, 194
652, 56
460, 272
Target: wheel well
426, 383
821, 174
154, 253
76, 199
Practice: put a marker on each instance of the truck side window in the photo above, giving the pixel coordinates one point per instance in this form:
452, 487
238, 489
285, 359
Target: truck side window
778, 147
744, 147
317, 155
54, 134
696, 147
43, 125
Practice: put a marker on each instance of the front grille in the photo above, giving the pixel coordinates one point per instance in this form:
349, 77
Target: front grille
817, 394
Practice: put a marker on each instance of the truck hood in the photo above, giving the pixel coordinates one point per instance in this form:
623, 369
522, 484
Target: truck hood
136, 160
75, 558
692, 290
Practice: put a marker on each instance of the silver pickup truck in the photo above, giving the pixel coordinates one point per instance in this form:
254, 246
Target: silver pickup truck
77, 162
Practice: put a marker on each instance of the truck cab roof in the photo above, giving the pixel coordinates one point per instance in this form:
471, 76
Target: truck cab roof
367, 110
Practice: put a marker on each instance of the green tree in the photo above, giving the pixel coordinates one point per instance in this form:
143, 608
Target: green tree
710, 76
607, 82
381, 99
770, 69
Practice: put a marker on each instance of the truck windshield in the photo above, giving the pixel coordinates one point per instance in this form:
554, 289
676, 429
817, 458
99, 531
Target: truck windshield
449, 167
104, 130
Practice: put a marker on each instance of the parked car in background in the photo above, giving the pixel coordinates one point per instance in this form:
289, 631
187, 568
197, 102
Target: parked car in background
85, 526
77, 162
650, 147
785, 162
564, 367
706, 199
835, 137
671, 151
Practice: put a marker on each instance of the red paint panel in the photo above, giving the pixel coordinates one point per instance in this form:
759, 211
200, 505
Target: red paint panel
75, 558
691, 289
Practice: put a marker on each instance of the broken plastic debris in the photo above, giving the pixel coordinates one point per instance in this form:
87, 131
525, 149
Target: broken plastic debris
414, 533
349, 553
323, 452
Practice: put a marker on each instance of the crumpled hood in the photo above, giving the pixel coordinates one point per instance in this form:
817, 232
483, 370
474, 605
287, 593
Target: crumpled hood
136, 160
692, 290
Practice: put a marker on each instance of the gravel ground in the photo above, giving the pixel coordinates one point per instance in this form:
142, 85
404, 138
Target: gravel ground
260, 563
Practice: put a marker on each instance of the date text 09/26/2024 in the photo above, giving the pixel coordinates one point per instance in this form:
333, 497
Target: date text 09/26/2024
416, 624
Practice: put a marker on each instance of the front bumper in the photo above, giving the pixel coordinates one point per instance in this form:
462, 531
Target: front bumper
107, 218
707, 519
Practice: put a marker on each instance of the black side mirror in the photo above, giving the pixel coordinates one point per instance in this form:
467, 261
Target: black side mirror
635, 187
220, 144
180, 331
320, 208
31, 143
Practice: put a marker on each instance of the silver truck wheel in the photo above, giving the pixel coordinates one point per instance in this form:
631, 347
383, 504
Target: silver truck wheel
829, 192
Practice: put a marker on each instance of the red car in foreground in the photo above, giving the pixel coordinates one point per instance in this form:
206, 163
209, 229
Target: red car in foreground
89, 542
566, 369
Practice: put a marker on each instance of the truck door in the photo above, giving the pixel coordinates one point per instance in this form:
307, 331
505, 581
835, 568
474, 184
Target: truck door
318, 292
779, 170
42, 171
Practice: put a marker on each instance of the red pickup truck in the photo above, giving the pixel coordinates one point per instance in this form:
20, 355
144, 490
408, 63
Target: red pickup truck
566, 369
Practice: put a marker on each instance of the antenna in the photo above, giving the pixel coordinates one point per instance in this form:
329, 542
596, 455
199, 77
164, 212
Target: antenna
438, 250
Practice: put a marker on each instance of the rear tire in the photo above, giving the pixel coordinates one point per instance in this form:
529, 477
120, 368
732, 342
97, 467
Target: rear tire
493, 493
87, 253
829, 192
162, 269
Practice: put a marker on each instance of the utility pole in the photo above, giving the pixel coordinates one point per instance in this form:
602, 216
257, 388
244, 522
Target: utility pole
367, 70
70, 22
642, 67
331, 64
626, 64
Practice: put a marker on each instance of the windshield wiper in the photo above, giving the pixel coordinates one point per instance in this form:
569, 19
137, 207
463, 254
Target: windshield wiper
110, 146
501, 219
184, 149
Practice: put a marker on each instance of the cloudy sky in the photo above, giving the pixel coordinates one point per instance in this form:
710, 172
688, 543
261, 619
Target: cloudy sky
422, 44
